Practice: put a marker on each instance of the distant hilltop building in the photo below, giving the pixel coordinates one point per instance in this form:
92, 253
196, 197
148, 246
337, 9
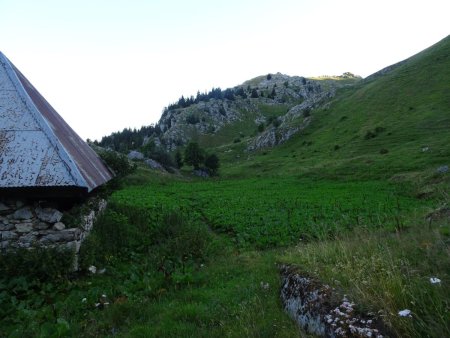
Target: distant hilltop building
40, 154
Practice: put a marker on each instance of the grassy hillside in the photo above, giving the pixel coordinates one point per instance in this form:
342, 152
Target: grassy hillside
391, 124
354, 200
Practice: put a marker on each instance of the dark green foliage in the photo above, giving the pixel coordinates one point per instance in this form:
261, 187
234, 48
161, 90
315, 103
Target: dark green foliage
212, 163
240, 92
179, 242
272, 94
178, 159
254, 94
193, 155
118, 163
276, 122
336, 147
261, 127
128, 139
192, 119
229, 94
215, 93
164, 158
222, 111
38, 263
383, 151
237, 140
112, 235
369, 134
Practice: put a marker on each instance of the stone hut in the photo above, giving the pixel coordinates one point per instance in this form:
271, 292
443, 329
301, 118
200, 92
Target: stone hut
42, 162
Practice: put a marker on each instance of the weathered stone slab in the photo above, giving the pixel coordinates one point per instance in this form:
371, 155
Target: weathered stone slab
59, 226
24, 227
317, 309
49, 215
8, 235
23, 213
4, 208
41, 226
7, 226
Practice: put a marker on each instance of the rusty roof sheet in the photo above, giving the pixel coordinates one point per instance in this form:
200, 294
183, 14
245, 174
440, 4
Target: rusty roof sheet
37, 147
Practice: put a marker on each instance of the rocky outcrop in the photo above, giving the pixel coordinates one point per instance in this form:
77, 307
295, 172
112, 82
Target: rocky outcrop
317, 309
26, 225
179, 125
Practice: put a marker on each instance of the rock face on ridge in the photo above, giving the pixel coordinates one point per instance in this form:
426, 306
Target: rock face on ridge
301, 95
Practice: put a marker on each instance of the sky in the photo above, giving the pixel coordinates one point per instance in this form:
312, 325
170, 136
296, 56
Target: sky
106, 65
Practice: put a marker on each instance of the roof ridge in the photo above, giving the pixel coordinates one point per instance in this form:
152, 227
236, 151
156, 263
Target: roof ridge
72, 168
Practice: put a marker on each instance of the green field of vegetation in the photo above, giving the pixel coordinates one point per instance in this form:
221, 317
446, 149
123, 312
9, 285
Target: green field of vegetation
355, 200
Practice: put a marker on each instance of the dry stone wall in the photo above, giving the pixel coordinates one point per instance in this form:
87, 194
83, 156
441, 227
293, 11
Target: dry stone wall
25, 225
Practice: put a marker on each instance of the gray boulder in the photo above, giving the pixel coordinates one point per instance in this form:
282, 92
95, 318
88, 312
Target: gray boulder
23, 213
7, 235
201, 173
154, 164
442, 169
24, 227
49, 215
135, 155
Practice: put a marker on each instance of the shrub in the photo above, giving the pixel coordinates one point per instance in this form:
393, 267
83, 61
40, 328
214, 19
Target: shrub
261, 127
118, 163
43, 264
193, 155
276, 122
112, 235
192, 119
369, 134
237, 140
212, 163
180, 242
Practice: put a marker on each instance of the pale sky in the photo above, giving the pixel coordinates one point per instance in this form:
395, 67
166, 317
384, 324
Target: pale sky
108, 64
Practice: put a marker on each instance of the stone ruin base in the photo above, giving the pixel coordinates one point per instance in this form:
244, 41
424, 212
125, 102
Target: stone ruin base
28, 224
317, 310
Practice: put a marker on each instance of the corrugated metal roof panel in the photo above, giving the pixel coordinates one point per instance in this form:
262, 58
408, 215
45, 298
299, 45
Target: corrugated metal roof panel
37, 147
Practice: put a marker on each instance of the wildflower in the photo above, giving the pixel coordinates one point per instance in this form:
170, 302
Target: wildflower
264, 286
92, 269
435, 280
84, 300
405, 313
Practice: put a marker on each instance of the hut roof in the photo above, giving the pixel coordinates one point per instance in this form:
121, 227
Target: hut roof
37, 147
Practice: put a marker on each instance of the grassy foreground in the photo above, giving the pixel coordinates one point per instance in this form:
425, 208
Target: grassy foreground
199, 258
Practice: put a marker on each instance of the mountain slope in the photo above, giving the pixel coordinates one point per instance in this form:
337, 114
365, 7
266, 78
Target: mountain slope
395, 121
266, 102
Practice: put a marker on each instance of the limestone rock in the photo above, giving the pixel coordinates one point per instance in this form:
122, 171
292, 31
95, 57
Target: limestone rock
59, 226
41, 226
24, 227
4, 208
201, 173
60, 236
442, 169
23, 213
8, 235
7, 226
49, 215
154, 164
315, 307
27, 240
135, 155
